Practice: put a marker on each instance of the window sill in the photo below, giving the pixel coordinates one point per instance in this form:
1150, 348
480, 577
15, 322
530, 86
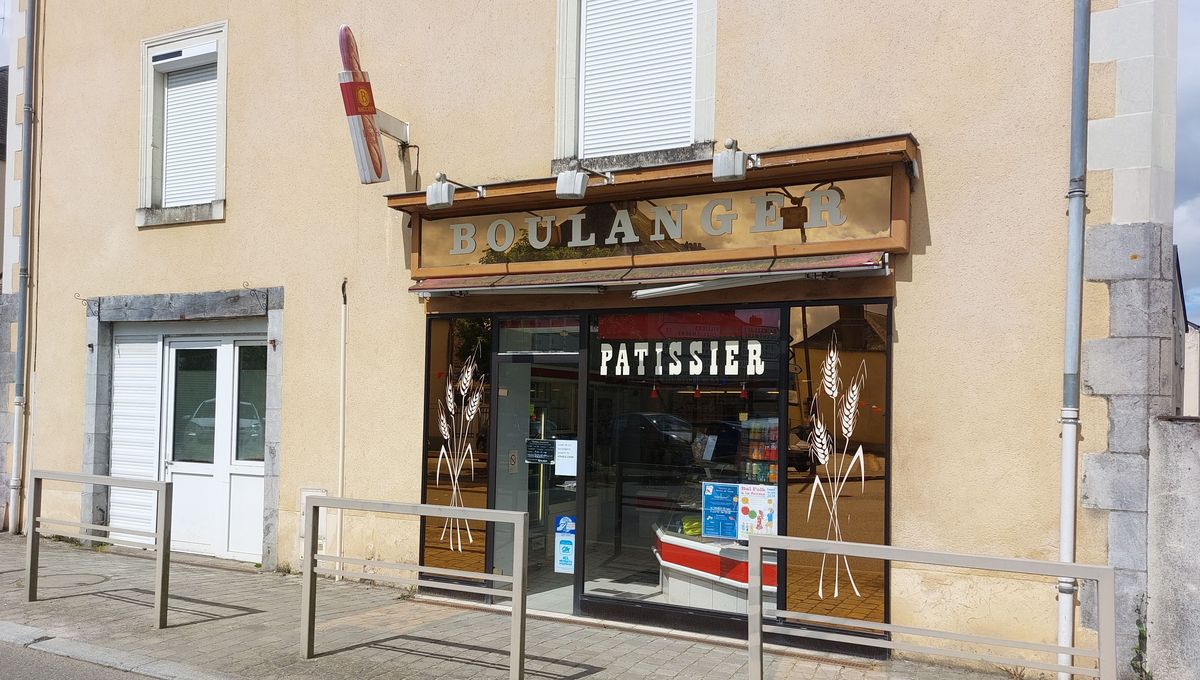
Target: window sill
699, 151
182, 214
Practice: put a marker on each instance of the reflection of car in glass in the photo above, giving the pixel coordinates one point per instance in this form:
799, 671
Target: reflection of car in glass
201, 425
198, 432
652, 439
250, 427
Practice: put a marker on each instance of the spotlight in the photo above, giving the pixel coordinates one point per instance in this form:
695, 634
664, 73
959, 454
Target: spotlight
572, 184
730, 164
440, 194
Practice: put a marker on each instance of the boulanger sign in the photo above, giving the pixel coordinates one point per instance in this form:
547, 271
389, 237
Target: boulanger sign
855, 209
717, 218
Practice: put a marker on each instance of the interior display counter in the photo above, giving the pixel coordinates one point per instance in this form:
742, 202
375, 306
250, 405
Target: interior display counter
703, 572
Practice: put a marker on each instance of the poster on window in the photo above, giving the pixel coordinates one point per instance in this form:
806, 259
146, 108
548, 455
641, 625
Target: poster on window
758, 506
719, 507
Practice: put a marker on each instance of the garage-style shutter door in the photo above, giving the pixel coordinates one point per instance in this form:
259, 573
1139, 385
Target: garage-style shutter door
637, 76
135, 420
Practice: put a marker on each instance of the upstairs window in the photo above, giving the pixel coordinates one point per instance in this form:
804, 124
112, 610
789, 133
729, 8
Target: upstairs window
183, 127
634, 76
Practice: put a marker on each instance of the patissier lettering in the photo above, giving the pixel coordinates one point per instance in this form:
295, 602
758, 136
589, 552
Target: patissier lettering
692, 358
715, 218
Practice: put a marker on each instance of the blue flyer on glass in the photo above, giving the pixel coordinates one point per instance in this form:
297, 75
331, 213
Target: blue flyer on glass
720, 509
564, 544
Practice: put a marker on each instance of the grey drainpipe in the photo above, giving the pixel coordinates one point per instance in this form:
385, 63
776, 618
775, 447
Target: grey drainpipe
1069, 417
18, 462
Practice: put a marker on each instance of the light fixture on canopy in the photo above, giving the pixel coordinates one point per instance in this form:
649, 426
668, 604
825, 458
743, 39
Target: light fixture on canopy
730, 165
572, 183
440, 194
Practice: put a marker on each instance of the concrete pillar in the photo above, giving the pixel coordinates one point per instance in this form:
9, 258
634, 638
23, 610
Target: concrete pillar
274, 419
1173, 583
97, 415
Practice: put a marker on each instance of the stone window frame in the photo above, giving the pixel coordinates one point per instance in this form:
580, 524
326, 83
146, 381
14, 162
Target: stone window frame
150, 212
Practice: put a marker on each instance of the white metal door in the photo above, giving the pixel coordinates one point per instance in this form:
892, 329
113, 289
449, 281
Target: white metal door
193, 450
244, 516
213, 415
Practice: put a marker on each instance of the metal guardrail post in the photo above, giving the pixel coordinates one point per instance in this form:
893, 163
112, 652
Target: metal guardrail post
308, 590
516, 656
754, 612
899, 636
162, 530
518, 593
32, 546
162, 557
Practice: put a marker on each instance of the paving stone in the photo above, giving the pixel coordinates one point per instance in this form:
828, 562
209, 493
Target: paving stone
235, 624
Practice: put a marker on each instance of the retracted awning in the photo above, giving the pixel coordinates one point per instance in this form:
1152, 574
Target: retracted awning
662, 281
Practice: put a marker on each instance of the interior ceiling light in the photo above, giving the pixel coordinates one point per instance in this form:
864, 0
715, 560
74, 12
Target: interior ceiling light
440, 194
730, 164
572, 183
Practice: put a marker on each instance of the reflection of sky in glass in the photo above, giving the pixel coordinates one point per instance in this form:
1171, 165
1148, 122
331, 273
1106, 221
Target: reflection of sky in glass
867, 208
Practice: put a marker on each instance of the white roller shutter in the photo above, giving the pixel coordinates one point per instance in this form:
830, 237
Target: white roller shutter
190, 136
135, 415
637, 76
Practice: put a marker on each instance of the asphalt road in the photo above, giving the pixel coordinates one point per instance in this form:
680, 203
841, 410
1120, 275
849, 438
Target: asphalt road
20, 663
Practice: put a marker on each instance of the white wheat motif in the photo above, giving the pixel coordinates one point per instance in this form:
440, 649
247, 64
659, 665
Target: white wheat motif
839, 463
457, 449
818, 441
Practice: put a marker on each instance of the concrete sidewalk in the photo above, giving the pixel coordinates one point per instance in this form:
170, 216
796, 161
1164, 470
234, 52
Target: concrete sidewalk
226, 623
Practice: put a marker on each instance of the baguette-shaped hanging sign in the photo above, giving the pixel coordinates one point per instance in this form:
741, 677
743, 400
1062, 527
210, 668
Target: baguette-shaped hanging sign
360, 112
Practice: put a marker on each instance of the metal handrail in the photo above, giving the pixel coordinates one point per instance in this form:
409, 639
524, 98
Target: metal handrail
161, 535
1105, 653
517, 592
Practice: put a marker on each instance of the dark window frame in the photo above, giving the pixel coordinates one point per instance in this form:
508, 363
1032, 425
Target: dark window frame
677, 616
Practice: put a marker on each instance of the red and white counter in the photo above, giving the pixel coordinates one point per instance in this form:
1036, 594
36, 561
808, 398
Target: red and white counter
707, 573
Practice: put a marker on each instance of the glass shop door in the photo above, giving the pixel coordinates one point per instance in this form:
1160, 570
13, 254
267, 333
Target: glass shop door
537, 441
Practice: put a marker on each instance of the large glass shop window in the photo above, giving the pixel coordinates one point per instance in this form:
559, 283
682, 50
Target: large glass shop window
837, 454
456, 442
684, 452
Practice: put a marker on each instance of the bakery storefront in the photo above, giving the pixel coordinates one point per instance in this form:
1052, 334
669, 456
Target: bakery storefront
661, 368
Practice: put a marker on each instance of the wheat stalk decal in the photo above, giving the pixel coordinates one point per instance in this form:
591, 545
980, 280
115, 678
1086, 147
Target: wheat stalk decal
463, 406
839, 464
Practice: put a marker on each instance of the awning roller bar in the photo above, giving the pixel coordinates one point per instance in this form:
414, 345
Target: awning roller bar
862, 264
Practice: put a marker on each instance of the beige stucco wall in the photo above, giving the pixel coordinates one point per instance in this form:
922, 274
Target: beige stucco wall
978, 315
978, 326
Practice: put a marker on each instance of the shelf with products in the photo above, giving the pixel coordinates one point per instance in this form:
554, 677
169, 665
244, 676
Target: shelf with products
758, 451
